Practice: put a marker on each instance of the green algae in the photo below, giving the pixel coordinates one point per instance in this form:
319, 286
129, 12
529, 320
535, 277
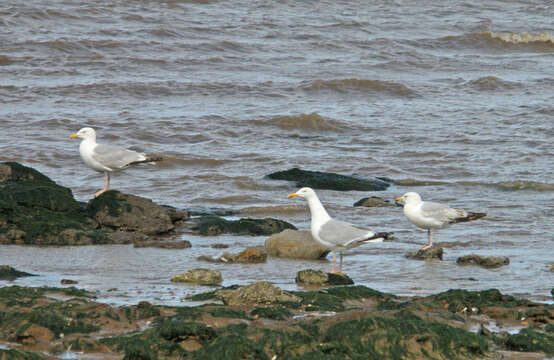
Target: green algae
460, 300
332, 299
110, 201
143, 310
274, 313
231, 347
528, 340
228, 313
14, 354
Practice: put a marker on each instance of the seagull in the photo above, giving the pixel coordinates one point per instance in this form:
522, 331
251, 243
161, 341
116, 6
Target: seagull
332, 234
106, 158
431, 215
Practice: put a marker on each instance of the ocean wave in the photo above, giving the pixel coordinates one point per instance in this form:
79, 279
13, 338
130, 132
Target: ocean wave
511, 185
364, 85
492, 40
311, 122
523, 38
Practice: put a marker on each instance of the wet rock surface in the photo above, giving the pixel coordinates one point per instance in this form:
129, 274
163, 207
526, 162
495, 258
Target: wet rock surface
330, 181
311, 277
489, 262
9, 273
434, 252
260, 321
211, 225
373, 201
35, 210
295, 245
250, 255
200, 276
182, 244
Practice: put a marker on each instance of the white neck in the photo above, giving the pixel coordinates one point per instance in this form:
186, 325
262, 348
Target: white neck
319, 214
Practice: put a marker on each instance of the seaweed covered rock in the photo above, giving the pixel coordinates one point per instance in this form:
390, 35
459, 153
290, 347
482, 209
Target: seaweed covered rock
182, 244
199, 276
489, 262
373, 201
530, 340
330, 181
321, 278
36, 210
9, 273
295, 245
117, 211
211, 225
434, 252
260, 292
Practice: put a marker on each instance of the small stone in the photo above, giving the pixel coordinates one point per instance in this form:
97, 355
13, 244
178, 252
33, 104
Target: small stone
260, 292
320, 278
489, 262
434, 252
68, 282
219, 246
200, 276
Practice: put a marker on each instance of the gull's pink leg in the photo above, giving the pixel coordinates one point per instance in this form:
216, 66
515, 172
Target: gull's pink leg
334, 270
429, 241
106, 184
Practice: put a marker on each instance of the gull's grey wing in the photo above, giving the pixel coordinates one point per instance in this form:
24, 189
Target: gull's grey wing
115, 157
343, 234
441, 212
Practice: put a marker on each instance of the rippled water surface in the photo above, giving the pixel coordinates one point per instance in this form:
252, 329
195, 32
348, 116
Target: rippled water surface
453, 101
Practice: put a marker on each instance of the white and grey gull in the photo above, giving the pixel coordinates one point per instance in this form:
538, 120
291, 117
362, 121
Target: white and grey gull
431, 215
333, 234
106, 158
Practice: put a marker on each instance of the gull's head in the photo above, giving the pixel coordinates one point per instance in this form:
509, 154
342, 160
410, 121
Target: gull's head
409, 197
306, 193
85, 133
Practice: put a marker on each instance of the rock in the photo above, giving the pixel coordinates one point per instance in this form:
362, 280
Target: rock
295, 245
434, 252
330, 181
250, 255
211, 225
9, 273
35, 210
117, 211
373, 201
260, 292
200, 276
219, 246
320, 278
183, 244
490, 262
68, 282
126, 237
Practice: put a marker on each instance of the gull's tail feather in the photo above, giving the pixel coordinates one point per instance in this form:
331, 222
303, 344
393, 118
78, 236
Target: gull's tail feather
378, 237
470, 216
151, 160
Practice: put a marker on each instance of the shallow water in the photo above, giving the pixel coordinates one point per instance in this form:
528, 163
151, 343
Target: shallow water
454, 102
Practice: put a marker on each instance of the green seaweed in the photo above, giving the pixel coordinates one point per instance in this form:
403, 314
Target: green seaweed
143, 310
274, 313
110, 201
14, 354
228, 313
231, 347
458, 299
528, 340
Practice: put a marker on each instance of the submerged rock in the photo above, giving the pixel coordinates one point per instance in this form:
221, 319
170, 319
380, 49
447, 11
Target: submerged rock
250, 255
330, 181
211, 225
9, 273
295, 245
320, 278
183, 244
490, 262
260, 292
117, 211
200, 276
434, 252
373, 201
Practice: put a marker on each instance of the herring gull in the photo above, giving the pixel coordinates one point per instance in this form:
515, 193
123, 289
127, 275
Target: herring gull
106, 158
431, 215
333, 234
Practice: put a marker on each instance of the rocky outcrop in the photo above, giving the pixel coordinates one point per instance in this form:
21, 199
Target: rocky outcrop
489, 262
211, 225
330, 181
35, 210
9, 273
260, 292
311, 277
250, 255
295, 245
434, 252
200, 276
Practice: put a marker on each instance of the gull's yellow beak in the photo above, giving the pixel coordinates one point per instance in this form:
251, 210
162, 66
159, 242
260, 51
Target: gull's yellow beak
73, 136
292, 195
398, 199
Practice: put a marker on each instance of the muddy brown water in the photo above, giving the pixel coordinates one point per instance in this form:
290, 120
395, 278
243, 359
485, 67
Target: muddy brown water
454, 101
